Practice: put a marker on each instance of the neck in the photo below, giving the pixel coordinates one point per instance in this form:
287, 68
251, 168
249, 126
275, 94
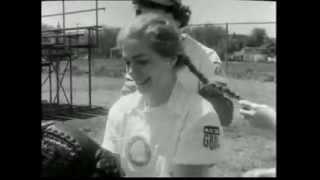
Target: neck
161, 96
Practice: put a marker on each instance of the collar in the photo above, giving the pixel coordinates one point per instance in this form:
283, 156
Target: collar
177, 102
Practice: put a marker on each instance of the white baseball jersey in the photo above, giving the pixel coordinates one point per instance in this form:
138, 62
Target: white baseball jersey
185, 130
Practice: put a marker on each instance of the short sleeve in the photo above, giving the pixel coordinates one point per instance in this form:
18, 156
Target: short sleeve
212, 67
115, 124
205, 59
200, 140
113, 129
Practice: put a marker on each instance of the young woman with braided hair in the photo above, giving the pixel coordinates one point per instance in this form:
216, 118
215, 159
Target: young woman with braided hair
204, 59
161, 129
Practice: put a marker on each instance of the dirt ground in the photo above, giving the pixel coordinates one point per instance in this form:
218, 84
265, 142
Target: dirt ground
245, 147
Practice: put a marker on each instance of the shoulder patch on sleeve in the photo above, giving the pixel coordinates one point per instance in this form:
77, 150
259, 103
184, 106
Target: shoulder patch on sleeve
210, 137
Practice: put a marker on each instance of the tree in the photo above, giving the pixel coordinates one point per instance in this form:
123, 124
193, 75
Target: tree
211, 36
270, 47
107, 40
236, 42
257, 37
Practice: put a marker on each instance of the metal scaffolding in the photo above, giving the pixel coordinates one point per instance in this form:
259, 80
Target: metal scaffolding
62, 49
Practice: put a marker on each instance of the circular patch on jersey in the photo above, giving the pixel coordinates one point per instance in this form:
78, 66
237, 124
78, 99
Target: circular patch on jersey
138, 151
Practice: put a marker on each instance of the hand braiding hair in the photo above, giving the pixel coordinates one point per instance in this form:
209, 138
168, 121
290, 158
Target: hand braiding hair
67, 152
223, 89
181, 13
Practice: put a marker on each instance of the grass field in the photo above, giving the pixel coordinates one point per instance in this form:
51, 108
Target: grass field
245, 147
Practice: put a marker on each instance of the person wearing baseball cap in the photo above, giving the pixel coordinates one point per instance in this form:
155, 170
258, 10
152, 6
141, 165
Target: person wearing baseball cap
205, 59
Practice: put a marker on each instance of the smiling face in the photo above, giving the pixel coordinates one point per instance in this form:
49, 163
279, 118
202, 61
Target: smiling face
151, 72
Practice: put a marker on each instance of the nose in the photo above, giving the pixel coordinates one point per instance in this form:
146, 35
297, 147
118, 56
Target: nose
133, 71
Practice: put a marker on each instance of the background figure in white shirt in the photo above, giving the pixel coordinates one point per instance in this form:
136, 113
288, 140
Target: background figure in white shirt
162, 129
205, 59
263, 117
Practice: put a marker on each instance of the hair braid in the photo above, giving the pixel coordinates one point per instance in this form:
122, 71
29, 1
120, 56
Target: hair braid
183, 59
186, 61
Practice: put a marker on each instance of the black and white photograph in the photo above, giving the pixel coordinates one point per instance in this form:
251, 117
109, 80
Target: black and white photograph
158, 88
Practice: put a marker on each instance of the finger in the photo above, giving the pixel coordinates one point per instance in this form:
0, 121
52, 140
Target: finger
229, 92
247, 113
103, 164
98, 165
262, 106
216, 89
223, 88
98, 154
247, 104
244, 104
219, 83
259, 173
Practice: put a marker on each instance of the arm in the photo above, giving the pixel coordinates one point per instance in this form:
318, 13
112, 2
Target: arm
259, 115
110, 144
212, 67
199, 146
265, 172
113, 127
208, 63
263, 117
206, 60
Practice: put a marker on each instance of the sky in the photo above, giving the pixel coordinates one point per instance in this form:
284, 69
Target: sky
120, 13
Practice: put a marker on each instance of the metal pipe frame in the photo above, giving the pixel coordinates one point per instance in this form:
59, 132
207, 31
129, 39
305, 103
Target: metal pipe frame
89, 46
97, 22
73, 12
59, 83
70, 76
50, 80
89, 67
227, 45
50, 85
57, 69
67, 36
73, 28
